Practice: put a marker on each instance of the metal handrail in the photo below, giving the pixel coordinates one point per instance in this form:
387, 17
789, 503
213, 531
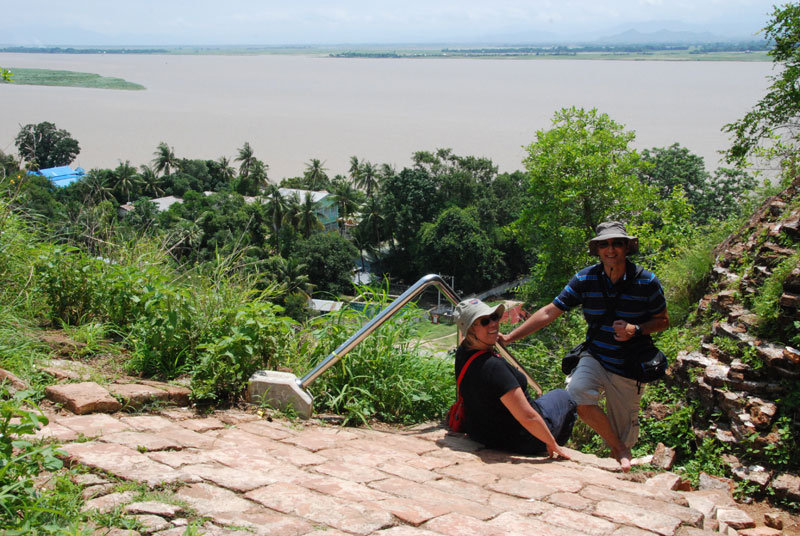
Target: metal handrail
389, 311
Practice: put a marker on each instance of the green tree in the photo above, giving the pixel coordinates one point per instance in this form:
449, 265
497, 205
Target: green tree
309, 221
355, 169
8, 165
97, 185
347, 199
44, 146
456, 245
6, 75
330, 261
777, 114
675, 166
247, 158
127, 181
373, 221
165, 161
150, 182
315, 175
226, 171
581, 172
368, 178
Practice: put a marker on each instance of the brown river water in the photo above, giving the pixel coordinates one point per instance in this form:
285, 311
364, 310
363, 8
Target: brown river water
292, 108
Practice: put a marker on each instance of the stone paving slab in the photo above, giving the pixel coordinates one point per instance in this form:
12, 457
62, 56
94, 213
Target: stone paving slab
288, 478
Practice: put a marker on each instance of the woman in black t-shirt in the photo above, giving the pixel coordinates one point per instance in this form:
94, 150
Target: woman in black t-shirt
499, 411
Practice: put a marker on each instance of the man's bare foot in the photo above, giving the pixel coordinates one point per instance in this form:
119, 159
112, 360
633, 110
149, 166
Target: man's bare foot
623, 456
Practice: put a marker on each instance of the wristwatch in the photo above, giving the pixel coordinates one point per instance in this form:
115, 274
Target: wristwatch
638, 332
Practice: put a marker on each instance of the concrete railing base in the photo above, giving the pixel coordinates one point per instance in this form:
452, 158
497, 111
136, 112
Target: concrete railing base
279, 390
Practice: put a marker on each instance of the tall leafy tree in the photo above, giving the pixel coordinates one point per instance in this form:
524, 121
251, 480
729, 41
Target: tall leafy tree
165, 161
373, 221
127, 181
276, 209
368, 178
226, 171
355, 169
97, 185
315, 175
456, 245
246, 159
777, 114
581, 172
330, 260
44, 146
676, 167
309, 221
347, 199
151, 183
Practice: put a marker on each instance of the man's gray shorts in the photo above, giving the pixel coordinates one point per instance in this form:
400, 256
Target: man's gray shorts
590, 380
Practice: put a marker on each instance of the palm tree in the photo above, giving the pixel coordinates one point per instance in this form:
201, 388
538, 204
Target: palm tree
387, 171
165, 160
258, 174
127, 180
150, 181
291, 274
347, 199
96, 185
355, 169
372, 220
291, 214
315, 175
276, 209
226, 171
247, 159
309, 221
368, 178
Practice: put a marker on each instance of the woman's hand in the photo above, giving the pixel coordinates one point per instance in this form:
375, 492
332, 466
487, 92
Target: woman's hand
516, 403
556, 452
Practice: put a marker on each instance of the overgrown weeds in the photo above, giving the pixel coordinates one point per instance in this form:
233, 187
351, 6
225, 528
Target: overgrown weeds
387, 376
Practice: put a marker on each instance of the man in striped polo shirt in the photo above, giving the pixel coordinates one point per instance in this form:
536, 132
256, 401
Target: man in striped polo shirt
621, 302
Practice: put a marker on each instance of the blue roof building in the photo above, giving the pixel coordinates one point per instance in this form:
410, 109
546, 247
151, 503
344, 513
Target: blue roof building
61, 176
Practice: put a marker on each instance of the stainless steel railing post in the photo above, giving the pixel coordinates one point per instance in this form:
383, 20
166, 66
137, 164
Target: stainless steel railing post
415, 290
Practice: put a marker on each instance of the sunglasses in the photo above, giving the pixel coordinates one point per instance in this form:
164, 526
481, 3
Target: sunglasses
615, 243
494, 317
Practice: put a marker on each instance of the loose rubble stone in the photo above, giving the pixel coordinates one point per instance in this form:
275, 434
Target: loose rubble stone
714, 482
787, 485
773, 520
759, 531
754, 474
663, 457
14, 383
735, 518
82, 398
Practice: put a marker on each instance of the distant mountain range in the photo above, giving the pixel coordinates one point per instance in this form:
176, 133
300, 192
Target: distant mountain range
653, 32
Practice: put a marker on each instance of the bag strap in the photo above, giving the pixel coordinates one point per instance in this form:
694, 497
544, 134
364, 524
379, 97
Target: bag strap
630, 277
464, 369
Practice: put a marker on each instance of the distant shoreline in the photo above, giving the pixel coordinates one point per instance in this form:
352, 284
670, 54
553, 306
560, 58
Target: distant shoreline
746, 51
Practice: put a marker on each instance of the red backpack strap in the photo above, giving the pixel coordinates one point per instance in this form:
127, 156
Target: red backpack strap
464, 370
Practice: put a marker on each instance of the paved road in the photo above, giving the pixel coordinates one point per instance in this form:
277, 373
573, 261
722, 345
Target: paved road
296, 478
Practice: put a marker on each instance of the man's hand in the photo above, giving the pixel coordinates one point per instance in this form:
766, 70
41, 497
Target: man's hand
623, 331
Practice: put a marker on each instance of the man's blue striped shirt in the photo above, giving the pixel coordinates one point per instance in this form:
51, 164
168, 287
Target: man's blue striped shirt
638, 301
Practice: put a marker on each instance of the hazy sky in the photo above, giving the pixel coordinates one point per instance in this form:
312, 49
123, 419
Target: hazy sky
87, 22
